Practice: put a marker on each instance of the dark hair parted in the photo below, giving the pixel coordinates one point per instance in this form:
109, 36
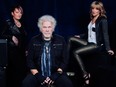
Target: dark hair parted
17, 6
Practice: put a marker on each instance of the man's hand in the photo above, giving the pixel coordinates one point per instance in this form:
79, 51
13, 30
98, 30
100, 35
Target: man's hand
40, 78
55, 75
38, 75
34, 71
59, 70
47, 81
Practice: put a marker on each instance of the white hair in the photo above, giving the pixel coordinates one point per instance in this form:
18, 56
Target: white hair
46, 18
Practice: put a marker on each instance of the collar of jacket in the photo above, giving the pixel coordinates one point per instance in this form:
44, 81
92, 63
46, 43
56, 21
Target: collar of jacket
99, 18
42, 40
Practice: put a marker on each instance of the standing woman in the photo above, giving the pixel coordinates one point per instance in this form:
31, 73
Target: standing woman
15, 34
97, 38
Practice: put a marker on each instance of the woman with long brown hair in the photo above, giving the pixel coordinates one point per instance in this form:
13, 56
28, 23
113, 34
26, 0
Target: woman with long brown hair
96, 37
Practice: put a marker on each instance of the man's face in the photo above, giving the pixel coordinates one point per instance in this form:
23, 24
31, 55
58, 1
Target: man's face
47, 30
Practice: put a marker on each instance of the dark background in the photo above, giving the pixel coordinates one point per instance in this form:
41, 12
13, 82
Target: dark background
72, 18
72, 15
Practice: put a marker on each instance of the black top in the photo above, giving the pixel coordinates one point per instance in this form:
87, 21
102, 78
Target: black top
12, 30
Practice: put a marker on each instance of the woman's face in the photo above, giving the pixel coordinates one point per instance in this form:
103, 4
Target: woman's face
17, 14
95, 12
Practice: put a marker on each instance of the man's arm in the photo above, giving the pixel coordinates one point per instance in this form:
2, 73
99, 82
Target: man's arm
30, 56
64, 55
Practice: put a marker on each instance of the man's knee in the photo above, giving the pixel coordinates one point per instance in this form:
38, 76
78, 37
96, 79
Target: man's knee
64, 81
29, 81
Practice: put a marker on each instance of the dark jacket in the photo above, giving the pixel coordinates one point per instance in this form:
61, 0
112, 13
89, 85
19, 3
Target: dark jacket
58, 53
101, 29
11, 30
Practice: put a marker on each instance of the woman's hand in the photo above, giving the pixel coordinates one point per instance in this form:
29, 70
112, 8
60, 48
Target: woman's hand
111, 52
78, 36
15, 40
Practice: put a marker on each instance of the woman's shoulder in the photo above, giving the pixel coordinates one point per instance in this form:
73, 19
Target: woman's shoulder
102, 18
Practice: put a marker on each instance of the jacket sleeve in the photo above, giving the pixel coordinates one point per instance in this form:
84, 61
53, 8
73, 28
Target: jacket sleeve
65, 56
30, 56
105, 34
7, 34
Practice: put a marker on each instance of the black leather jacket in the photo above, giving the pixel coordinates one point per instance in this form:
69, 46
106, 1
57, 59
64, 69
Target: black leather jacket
101, 29
58, 53
11, 30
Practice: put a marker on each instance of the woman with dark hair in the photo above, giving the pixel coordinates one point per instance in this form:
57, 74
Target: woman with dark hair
96, 37
15, 34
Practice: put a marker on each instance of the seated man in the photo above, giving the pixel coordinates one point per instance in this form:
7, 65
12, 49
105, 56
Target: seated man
47, 57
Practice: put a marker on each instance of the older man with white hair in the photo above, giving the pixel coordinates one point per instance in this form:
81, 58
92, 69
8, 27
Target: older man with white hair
47, 57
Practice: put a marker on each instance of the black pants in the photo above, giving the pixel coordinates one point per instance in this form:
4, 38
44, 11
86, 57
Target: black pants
16, 69
83, 48
31, 81
2, 77
97, 61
